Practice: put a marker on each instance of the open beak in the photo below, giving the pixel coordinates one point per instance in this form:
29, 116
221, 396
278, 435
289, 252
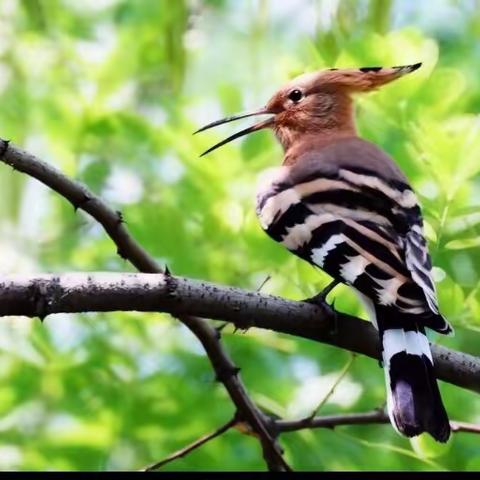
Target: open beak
257, 126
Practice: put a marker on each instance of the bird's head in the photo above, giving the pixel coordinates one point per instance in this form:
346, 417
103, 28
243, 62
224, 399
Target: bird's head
318, 103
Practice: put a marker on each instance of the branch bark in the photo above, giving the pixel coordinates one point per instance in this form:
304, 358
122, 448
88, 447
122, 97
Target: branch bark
331, 421
377, 416
42, 295
112, 222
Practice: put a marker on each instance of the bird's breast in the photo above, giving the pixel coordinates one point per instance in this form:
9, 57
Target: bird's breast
271, 199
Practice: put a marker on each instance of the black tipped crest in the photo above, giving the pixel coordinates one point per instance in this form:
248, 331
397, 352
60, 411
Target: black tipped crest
370, 69
408, 68
399, 68
402, 69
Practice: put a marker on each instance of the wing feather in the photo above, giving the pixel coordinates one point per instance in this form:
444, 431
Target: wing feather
361, 225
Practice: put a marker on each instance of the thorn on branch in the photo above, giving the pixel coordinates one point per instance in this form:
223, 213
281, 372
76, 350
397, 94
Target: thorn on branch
122, 254
166, 271
243, 325
41, 304
86, 198
219, 330
171, 285
333, 329
241, 330
4, 149
223, 374
39, 291
120, 217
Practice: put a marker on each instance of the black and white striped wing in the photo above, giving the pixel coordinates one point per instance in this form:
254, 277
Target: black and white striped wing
407, 227
360, 229
418, 262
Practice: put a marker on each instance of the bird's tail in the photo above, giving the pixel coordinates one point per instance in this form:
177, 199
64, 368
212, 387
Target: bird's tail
413, 399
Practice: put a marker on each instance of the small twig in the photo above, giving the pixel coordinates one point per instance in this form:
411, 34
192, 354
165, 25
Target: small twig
332, 421
464, 427
193, 446
265, 281
332, 389
377, 416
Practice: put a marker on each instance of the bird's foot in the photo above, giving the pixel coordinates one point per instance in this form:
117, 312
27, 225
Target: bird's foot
320, 298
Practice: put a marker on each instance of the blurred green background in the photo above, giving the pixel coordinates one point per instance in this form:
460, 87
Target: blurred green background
110, 91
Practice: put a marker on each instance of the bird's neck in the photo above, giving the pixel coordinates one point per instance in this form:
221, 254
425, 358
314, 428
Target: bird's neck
315, 129
300, 144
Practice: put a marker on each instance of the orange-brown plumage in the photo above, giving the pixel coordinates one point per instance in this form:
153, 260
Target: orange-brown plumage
325, 113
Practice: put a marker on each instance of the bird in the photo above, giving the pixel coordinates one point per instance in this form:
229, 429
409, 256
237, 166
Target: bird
343, 205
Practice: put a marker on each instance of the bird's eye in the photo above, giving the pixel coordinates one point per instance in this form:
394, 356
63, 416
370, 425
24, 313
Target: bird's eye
295, 95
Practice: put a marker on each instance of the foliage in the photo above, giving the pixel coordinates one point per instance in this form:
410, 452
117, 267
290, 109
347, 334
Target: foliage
110, 92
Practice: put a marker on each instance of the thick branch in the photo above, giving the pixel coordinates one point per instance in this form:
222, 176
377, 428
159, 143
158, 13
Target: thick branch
41, 295
112, 222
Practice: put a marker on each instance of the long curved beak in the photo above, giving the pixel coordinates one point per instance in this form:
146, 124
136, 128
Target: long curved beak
258, 126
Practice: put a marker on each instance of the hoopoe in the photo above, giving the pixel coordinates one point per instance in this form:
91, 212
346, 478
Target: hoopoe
342, 204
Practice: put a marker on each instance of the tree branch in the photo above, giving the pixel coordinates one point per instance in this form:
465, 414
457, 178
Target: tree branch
112, 222
377, 416
464, 427
41, 295
332, 421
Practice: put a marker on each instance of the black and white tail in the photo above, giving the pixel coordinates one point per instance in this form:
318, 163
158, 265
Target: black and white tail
413, 399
